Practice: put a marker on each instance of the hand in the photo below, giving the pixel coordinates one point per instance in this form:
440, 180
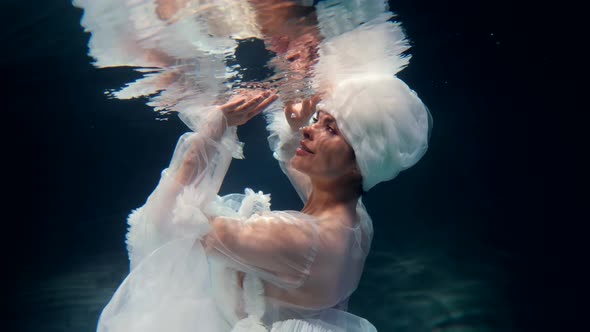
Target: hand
298, 114
243, 107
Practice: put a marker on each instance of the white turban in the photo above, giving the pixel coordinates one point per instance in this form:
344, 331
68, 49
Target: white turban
383, 120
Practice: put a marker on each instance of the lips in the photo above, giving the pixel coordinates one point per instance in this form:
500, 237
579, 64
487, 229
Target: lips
305, 148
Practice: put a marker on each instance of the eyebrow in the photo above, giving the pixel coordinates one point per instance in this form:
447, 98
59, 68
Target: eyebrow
330, 119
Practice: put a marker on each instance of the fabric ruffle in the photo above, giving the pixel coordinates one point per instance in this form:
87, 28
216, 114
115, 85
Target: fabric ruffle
169, 287
167, 291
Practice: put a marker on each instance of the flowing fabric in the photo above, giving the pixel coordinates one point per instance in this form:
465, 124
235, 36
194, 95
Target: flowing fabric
199, 261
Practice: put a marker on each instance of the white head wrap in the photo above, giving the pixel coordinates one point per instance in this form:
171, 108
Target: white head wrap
383, 120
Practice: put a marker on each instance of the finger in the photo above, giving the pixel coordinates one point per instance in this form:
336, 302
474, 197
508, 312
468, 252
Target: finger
312, 105
308, 108
264, 104
315, 100
288, 107
269, 100
232, 104
250, 103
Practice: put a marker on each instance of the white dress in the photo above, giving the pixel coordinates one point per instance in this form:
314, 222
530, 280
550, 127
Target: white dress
259, 270
262, 270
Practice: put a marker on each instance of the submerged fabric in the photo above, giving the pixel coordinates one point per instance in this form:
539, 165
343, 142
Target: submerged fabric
262, 270
203, 262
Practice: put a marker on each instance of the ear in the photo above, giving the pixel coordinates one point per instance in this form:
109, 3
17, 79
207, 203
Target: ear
356, 171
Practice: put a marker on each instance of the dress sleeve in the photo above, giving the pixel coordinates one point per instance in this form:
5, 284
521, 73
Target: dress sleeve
174, 209
279, 246
283, 142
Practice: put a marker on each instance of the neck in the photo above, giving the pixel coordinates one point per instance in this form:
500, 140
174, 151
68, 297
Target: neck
332, 194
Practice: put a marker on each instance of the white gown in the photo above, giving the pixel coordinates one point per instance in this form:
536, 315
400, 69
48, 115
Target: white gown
260, 270
298, 271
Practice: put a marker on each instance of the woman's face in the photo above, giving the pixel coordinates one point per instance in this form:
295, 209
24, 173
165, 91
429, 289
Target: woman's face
323, 151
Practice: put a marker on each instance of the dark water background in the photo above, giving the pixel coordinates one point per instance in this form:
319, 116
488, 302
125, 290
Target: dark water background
457, 237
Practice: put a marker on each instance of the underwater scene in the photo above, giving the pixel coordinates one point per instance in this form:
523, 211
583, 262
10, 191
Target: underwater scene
99, 92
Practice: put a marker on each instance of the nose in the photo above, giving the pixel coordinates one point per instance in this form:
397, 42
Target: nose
307, 132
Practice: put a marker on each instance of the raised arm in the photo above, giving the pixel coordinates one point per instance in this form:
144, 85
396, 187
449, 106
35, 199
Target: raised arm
285, 138
236, 112
192, 180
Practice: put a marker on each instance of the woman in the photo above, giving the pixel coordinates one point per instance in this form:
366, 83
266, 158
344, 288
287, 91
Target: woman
209, 263
289, 264
229, 263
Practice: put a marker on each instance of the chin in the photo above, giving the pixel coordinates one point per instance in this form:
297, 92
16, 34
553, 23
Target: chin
298, 164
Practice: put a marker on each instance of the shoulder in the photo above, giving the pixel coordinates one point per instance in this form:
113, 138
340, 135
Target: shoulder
336, 231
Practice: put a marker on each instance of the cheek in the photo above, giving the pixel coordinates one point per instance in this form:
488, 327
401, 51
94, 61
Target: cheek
339, 155
344, 160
